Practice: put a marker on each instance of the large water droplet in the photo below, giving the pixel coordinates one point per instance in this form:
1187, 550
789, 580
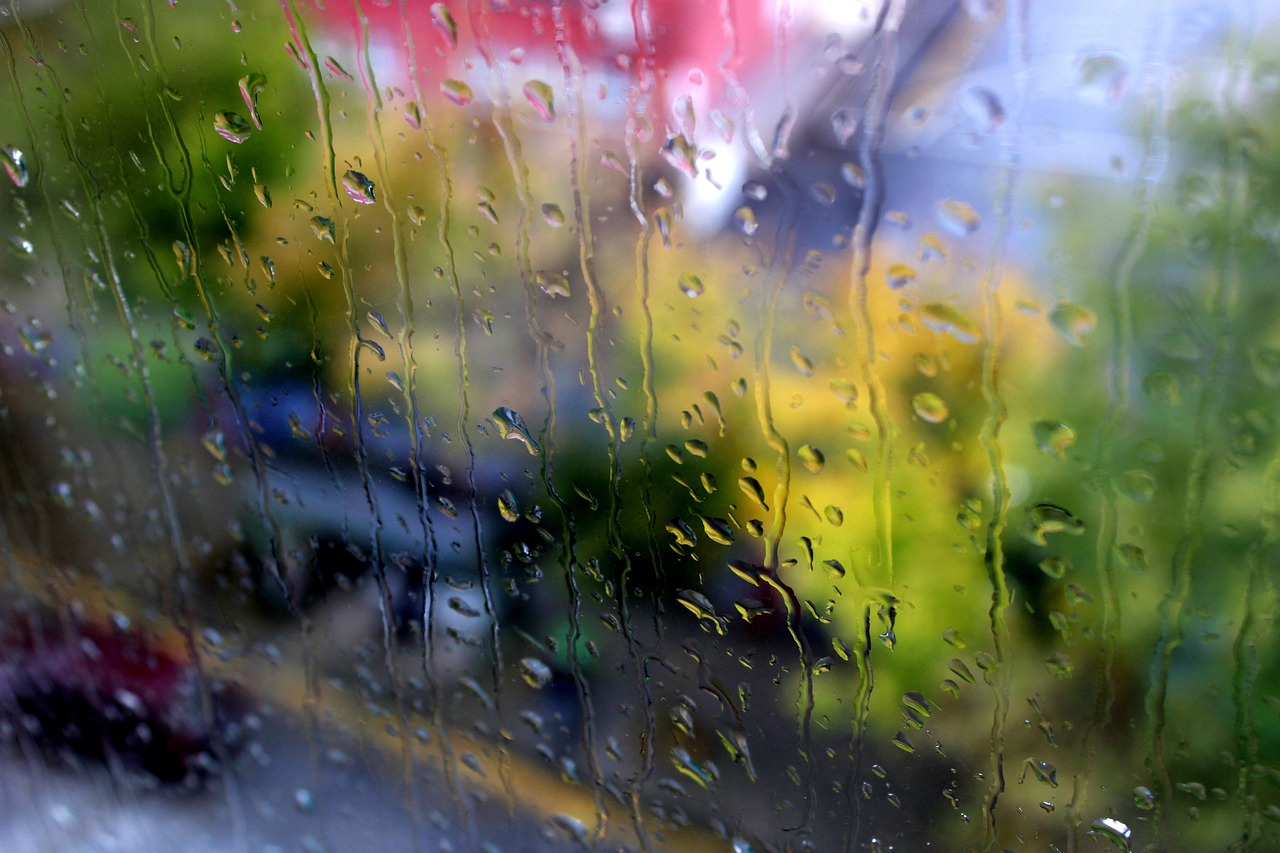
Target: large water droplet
958, 217
15, 164
232, 126
1112, 830
359, 187
541, 97
535, 673
690, 285
1053, 438
983, 109
443, 20
1103, 77
948, 320
930, 407
1073, 323
456, 91
251, 86
512, 426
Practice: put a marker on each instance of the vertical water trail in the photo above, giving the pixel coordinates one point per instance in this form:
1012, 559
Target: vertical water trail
505, 125
430, 636
298, 29
404, 343
997, 414
859, 295
1256, 626
176, 602
1223, 297
1119, 369
638, 102
779, 275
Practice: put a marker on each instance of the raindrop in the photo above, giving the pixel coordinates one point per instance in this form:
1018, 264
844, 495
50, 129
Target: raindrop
802, 362
456, 91
744, 219
900, 275
251, 86
982, 107
359, 187
844, 125
690, 285
1060, 664
535, 673
1143, 798
553, 215
1053, 438
751, 488
552, 283
1055, 567
1112, 830
508, 506
681, 153
15, 164
443, 20
1138, 486
930, 407
1073, 323
512, 426
811, 457
957, 216
948, 320
1103, 77
541, 98
232, 126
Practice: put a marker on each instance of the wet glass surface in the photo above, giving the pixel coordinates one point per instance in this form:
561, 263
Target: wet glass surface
514, 425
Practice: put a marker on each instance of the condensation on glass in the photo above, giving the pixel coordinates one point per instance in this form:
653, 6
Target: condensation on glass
515, 425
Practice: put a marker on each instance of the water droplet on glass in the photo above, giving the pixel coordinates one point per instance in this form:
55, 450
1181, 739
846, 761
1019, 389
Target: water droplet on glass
541, 98
690, 285
1143, 798
1073, 323
1043, 771
802, 362
15, 164
1059, 664
1045, 518
232, 126
812, 458
443, 20
957, 216
681, 153
552, 283
751, 488
844, 124
456, 91
744, 219
553, 215
930, 407
1055, 567
251, 86
1138, 486
535, 673
359, 187
512, 426
1102, 78
948, 320
1110, 829
982, 107
900, 275
508, 506
1053, 438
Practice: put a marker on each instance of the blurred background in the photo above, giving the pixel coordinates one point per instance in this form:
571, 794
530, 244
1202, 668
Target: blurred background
736, 426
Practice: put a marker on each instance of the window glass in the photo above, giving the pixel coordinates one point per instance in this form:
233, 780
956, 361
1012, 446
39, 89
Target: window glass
538, 424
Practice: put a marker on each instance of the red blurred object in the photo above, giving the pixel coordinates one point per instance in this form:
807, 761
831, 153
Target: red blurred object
664, 47
115, 694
